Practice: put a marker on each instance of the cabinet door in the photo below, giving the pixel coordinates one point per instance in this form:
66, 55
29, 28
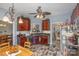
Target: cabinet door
22, 41
25, 26
44, 39
35, 39
77, 10
45, 25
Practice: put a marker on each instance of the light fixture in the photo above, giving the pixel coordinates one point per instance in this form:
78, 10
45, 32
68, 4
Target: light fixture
40, 16
10, 22
5, 19
9, 15
20, 20
37, 16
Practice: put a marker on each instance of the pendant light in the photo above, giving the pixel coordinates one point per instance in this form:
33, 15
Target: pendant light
10, 22
20, 20
5, 19
9, 15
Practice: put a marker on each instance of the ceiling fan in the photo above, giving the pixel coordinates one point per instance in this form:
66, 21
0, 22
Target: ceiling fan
40, 13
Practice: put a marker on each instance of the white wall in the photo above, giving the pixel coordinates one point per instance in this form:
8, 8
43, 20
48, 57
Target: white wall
7, 29
60, 18
52, 20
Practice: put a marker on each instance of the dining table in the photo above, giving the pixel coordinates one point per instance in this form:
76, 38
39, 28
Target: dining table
20, 51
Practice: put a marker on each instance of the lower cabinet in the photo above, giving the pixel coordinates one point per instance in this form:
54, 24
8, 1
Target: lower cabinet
44, 39
41, 39
22, 40
35, 39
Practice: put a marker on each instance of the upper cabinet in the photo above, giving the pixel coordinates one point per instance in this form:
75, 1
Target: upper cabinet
46, 24
75, 14
23, 24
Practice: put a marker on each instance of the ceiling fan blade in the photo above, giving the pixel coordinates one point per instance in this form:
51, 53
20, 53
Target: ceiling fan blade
32, 13
46, 13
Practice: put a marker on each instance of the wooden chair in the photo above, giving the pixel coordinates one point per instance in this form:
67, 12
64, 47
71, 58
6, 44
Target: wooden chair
4, 47
27, 44
7, 44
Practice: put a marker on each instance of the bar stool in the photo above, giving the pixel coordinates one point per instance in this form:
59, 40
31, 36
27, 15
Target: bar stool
27, 44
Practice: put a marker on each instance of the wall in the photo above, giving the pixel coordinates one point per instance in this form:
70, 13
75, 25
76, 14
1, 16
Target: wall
8, 28
53, 19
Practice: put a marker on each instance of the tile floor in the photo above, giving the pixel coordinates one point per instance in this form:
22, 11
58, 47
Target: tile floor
44, 50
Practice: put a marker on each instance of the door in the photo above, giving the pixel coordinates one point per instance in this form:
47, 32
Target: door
35, 39
44, 39
22, 41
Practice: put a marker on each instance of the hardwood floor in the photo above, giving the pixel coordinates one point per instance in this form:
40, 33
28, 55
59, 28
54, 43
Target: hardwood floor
24, 51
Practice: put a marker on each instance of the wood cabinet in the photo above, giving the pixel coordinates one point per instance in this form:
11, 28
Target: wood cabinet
75, 14
40, 39
4, 38
44, 39
25, 26
45, 24
22, 39
35, 39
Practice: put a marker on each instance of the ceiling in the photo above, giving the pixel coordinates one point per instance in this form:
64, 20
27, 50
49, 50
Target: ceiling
56, 9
